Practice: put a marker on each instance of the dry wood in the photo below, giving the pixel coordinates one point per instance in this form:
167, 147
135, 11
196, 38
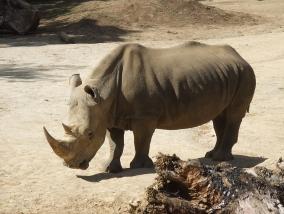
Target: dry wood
190, 187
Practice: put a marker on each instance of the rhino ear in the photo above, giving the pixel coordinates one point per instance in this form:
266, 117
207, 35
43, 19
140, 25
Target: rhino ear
75, 81
94, 92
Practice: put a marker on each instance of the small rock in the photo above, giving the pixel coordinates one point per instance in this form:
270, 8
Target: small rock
280, 164
172, 32
64, 37
134, 203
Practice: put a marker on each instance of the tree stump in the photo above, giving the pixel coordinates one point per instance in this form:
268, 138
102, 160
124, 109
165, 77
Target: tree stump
190, 187
18, 16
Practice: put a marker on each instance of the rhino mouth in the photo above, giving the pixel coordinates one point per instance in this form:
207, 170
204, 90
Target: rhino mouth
84, 165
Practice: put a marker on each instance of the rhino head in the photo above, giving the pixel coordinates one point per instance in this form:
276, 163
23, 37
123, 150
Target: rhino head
86, 131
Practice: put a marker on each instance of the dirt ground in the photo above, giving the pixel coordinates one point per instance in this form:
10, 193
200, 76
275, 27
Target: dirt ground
34, 73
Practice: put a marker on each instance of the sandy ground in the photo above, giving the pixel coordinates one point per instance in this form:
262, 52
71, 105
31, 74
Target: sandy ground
34, 92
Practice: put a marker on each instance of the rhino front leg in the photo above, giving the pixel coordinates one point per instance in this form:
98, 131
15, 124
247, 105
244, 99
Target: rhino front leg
116, 142
143, 132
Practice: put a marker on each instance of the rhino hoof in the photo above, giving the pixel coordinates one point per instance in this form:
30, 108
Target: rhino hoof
209, 154
219, 155
114, 166
222, 156
141, 162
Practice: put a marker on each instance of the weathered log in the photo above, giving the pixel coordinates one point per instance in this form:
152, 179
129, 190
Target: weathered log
18, 16
191, 187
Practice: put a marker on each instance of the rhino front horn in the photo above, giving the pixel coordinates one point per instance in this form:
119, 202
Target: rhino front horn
60, 148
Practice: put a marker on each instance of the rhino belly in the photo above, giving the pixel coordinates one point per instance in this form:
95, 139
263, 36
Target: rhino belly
188, 118
190, 110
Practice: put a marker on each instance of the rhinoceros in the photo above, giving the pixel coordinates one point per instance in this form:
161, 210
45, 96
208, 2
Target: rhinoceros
142, 89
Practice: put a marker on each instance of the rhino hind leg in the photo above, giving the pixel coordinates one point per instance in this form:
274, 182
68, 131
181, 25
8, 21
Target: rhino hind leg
223, 152
226, 127
143, 132
116, 142
141, 161
219, 126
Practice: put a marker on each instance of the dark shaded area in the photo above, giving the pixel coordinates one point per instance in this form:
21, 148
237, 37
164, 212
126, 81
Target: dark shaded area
84, 30
51, 9
240, 161
81, 31
18, 16
29, 72
88, 30
8, 40
125, 173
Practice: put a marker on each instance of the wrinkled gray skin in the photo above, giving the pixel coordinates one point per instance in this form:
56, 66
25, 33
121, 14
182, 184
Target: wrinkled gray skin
142, 89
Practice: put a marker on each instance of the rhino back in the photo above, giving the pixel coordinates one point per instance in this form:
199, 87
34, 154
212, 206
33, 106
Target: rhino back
184, 86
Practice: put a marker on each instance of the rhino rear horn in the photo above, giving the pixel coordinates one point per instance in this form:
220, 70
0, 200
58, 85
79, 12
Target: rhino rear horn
60, 148
67, 129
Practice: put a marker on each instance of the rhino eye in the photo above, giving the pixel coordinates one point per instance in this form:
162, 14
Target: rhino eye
90, 134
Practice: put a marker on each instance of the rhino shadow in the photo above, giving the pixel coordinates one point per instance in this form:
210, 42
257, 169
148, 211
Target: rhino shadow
240, 161
28, 72
125, 173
